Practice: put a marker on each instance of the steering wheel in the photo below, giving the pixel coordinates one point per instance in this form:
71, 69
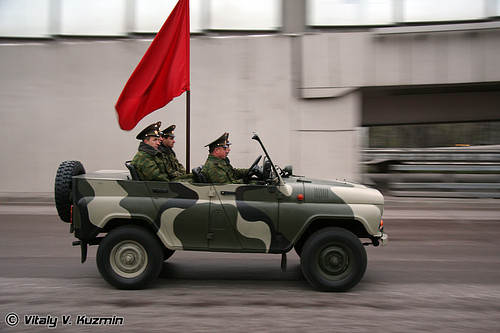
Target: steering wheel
266, 169
252, 167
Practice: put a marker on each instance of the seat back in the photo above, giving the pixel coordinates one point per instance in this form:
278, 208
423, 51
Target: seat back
133, 171
198, 176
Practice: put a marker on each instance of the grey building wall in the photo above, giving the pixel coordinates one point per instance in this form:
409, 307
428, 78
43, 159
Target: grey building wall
57, 103
300, 92
420, 55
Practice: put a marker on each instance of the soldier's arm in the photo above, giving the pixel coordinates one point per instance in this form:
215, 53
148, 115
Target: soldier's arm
175, 174
174, 168
240, 172
171, 172
180, 168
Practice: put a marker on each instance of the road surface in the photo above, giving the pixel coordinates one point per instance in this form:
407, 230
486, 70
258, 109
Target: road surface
439, 273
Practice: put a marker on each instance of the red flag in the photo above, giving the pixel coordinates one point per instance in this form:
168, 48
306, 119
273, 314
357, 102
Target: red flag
162, 73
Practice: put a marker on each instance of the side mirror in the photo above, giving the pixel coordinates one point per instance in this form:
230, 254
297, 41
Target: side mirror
255, 136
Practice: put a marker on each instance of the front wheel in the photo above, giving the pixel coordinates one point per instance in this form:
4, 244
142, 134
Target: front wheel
333, 259
129, 257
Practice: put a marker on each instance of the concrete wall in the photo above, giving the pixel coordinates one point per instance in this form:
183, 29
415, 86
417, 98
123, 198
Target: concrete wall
299, 92
429, 55
57, 103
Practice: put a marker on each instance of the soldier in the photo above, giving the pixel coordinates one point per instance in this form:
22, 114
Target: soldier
149, 161
174, 167
217, 168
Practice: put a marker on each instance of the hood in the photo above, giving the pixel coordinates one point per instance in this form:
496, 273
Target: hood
326, 190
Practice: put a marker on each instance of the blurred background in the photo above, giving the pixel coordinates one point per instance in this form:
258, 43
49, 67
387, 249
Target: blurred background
403, 95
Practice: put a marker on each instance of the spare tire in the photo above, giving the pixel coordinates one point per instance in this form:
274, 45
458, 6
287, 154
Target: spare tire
63, 187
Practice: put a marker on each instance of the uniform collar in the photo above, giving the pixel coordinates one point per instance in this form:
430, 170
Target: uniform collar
148, 149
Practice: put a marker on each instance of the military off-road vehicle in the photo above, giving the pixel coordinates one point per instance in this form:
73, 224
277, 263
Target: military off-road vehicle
139, 224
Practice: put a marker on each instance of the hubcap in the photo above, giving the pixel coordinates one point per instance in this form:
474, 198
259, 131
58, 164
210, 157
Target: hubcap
333, 262
128, 259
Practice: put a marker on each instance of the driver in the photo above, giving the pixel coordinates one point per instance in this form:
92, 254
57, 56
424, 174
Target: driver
217, 168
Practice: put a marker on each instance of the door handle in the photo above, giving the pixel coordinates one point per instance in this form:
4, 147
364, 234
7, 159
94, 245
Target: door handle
227, 193
160, 190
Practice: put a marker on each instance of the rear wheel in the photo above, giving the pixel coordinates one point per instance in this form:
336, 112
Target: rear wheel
129, 257
333, 259
63, 187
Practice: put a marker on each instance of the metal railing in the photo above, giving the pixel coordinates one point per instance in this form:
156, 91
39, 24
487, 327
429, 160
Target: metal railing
465, 172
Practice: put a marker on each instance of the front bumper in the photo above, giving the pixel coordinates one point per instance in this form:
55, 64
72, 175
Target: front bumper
384, 240
381, 239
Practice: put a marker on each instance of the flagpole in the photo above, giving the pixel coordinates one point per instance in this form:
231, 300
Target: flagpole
188, 130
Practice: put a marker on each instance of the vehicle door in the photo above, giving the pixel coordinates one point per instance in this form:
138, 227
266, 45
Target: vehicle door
243, 217
183, 214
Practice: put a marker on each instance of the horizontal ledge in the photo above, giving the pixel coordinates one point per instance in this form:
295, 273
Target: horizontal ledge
445, 194
325, 92
436, 28
445, 167
463, 186
326, 130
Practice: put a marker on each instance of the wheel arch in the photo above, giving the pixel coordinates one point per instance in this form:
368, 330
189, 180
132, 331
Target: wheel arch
141, 221
353, 225
116, 221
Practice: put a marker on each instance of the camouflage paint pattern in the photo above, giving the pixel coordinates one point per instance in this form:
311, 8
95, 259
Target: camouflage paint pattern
222, 217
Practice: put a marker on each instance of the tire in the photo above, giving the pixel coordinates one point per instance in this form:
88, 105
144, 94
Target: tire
63, 187
333, 259
129, 257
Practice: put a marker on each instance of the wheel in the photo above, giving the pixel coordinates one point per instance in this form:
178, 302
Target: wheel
333, 259
129, 257
63, 187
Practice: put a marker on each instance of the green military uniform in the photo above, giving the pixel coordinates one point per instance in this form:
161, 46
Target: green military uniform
173, 166
218, 170
149, 161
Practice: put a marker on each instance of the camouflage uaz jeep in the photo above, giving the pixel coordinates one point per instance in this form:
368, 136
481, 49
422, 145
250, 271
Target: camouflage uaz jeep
139, 224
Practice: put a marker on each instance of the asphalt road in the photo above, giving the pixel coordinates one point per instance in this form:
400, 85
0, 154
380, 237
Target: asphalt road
439, 273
